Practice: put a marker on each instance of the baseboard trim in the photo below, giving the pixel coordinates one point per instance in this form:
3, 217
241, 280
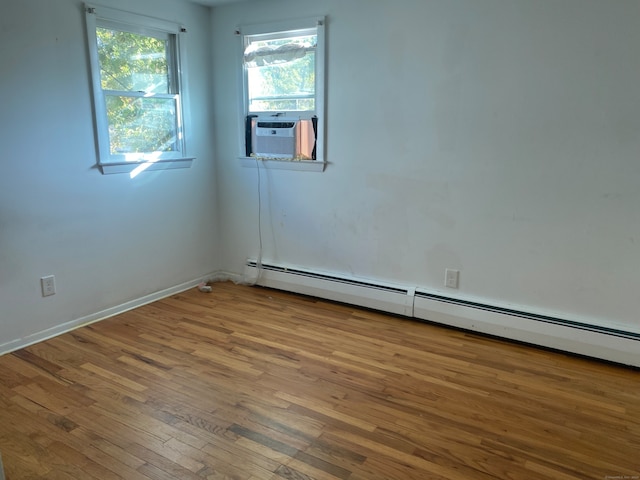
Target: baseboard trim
379, 296
604, 345
391, 298
610, 344
107, 313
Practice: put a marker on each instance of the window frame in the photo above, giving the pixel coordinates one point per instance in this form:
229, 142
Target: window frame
283, 29
104, 17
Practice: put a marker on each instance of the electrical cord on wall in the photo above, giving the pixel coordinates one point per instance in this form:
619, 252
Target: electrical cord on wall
259, 259
248, 129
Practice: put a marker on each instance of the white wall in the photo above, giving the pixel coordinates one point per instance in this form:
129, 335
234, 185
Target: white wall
107, 239
497, 137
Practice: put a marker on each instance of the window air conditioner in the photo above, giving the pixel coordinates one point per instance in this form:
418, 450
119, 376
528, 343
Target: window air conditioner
276, 139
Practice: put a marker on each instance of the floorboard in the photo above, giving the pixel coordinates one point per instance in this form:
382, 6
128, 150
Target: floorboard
248, 383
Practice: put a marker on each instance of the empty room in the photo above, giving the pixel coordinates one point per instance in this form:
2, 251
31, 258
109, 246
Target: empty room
319, 239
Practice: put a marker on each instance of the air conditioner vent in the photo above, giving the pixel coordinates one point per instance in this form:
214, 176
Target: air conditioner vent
276, 124
276, 139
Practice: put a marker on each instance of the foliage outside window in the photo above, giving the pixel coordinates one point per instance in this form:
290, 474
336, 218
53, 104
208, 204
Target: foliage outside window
137, 88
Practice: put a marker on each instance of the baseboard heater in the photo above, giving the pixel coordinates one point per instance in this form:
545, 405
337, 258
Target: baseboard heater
379, 296
606, 343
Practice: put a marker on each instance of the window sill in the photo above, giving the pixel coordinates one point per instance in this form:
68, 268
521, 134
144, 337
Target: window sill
135, 168
280, 164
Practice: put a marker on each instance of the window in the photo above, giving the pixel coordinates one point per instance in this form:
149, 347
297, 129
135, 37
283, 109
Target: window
281, 72
283, 77
138, 99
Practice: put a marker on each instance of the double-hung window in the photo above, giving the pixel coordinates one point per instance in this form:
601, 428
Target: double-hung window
137, 79
283, 80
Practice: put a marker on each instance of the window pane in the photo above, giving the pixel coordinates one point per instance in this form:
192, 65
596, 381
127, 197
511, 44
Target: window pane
132, 62
141, 124
280, 83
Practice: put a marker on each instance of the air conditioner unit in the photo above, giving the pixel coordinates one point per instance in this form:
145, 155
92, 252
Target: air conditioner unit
276, 139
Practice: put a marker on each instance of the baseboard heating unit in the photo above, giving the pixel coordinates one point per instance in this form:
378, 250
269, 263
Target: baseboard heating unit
378, 296
611, 344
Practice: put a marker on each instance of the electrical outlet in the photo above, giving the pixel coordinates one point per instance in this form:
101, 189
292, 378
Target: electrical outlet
48, 285
451, 278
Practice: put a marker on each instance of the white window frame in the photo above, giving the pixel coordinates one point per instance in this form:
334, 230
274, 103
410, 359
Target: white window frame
98, 16
278, 29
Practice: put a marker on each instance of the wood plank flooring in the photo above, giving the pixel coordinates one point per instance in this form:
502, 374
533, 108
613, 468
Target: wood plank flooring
248, 383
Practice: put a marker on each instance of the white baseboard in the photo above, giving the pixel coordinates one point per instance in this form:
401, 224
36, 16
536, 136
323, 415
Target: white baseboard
379, 296
109, 312
573, 339
606, 344
611, 344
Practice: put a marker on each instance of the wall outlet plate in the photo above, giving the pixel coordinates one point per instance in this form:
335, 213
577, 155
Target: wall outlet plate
451, 278
48, 285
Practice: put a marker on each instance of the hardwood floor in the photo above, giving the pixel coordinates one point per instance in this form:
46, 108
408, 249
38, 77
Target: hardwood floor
250, 383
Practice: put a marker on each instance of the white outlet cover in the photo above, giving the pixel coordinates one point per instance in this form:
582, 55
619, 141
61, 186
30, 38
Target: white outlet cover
451, 278
48, 285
